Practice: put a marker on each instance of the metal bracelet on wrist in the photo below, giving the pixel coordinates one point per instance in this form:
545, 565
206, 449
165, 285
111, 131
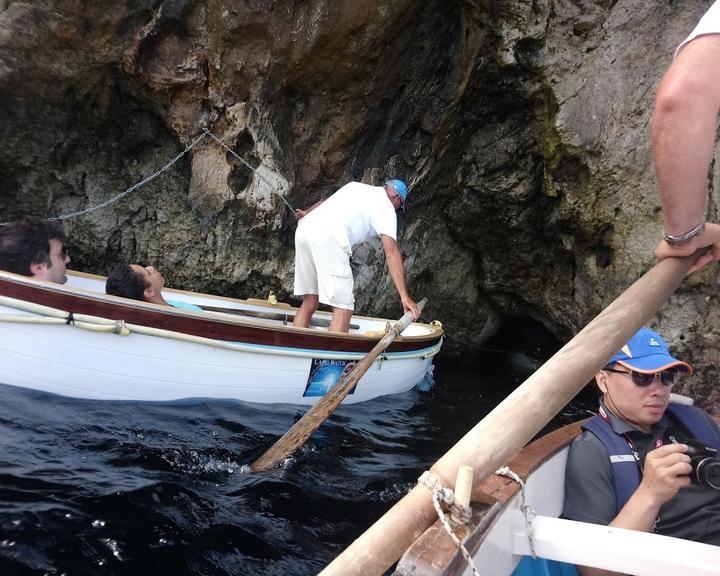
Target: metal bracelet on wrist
681, 239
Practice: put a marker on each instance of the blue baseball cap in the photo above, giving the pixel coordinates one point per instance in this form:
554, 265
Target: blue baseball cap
400, 188
648, 353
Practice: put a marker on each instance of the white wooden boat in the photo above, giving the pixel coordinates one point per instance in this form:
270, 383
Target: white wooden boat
74, 340
500, 535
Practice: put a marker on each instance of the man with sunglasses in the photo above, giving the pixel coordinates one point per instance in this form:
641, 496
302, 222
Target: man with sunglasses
34, 247
325, 236
623, 471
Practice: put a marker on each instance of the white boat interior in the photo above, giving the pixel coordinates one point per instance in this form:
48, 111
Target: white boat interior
283, 313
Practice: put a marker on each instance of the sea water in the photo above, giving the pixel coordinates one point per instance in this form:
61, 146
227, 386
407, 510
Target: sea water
93, 487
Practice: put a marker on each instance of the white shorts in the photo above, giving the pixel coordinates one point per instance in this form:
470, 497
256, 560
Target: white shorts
322, 267
709, 24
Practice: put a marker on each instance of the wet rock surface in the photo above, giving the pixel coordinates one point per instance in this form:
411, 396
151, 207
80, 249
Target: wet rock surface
521, 126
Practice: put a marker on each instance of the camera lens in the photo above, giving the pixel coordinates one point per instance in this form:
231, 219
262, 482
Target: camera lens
708, 473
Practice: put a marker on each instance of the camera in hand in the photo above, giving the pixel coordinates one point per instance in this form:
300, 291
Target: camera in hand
705, 464
703, 459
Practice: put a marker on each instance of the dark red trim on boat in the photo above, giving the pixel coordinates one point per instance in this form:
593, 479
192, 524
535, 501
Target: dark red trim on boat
215, 328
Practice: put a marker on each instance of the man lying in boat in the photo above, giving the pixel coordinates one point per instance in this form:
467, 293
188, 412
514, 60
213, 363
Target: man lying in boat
34, 247
632, 467
141, 283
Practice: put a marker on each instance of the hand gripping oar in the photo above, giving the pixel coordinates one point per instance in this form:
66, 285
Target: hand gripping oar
313, 419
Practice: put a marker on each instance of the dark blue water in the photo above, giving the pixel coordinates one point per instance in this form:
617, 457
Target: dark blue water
91, 487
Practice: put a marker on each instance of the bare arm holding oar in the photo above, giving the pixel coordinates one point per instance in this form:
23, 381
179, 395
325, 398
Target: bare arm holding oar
683, 132
394, 260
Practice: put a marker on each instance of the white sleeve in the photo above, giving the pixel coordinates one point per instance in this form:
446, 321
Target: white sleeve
709, 24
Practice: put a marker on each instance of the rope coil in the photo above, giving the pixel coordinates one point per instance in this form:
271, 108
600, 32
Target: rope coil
464, 513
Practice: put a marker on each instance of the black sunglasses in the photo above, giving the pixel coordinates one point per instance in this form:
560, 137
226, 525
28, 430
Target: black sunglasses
667, 377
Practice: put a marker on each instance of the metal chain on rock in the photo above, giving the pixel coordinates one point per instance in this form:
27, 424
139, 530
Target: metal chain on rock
154, 175
432, 482
133, 187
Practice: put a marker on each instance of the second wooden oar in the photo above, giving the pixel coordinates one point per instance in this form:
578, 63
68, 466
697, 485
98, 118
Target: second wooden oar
313, 419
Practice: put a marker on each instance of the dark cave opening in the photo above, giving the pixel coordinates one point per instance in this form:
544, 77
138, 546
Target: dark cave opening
524, 336
520, 346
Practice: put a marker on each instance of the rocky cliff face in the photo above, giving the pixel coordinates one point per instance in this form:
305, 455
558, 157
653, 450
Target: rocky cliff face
522, 127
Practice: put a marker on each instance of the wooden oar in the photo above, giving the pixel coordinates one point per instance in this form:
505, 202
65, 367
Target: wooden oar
517, 419
303, 428
283, 316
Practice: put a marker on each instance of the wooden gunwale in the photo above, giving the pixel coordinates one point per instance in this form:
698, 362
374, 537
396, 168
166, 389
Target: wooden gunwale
435, 554
232, 329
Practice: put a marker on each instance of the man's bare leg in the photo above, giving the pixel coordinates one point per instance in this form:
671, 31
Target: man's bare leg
340, 320
307, 309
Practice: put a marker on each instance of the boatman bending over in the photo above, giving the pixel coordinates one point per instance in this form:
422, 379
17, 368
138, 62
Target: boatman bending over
324, 238
631, 468
34, 247
683, 135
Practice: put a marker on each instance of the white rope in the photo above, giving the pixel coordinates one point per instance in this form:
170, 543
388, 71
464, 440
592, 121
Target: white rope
432, 482
527, 511
117, 327
157, 173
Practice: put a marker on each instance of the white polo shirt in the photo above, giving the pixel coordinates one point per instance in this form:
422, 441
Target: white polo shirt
355, 213
709, 24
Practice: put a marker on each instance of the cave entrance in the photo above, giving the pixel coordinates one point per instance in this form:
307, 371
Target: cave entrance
518, 348
521, 344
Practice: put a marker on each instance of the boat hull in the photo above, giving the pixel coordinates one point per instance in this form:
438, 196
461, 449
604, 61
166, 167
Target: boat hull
151, 363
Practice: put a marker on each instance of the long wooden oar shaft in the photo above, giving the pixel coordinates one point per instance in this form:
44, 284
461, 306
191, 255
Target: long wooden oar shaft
517, 419
303, 428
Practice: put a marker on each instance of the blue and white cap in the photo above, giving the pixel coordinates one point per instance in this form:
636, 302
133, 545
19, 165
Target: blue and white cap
648, 353
400, 188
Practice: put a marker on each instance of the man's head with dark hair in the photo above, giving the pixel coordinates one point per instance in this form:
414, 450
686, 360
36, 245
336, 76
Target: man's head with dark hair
34, 247
124, 281
136, 282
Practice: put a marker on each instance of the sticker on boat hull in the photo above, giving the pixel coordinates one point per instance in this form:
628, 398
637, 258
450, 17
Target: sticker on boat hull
324, 374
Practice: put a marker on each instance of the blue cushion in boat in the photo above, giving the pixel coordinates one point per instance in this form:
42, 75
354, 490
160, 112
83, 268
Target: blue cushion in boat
530, 566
